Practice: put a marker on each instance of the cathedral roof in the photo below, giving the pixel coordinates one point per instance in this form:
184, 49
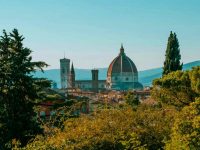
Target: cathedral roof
122, 63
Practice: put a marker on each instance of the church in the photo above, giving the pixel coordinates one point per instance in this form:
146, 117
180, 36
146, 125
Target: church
122, 74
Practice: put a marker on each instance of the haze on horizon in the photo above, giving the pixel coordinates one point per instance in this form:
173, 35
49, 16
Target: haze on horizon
91, 32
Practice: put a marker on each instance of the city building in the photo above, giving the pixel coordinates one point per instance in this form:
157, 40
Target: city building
122, 74
64, 72
94, 84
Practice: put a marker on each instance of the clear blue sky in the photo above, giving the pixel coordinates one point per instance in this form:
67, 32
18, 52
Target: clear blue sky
90, 32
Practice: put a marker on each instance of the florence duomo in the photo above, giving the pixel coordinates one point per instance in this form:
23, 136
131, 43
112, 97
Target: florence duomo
143, 94
122, 74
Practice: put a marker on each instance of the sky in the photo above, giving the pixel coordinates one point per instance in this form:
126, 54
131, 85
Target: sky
90, 32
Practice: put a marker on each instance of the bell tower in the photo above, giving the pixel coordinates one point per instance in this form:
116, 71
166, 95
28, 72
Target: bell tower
64, 72
95, 80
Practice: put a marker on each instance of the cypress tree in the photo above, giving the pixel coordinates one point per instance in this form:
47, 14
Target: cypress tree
172, 56
18, 91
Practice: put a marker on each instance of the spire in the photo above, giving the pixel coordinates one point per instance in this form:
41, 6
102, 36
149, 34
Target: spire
121, 49
72, 69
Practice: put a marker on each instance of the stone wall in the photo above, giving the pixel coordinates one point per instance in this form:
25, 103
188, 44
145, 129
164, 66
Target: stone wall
87, 84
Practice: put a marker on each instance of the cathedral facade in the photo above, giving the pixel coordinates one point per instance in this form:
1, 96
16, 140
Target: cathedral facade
122, 74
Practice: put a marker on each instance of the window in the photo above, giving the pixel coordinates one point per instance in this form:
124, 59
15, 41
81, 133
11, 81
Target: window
126, 79
116, 78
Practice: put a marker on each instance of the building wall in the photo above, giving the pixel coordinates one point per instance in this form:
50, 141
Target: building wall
87, 84
123, 81
83, 84
102, 84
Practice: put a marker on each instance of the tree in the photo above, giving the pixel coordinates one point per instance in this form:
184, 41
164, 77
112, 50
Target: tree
186, 129
106, 129
148, 127
195, 79
172, 56
132, 100
178, 88
153, 125
18, 90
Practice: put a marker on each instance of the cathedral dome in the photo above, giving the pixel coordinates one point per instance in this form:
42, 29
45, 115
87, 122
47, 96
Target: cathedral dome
122, 73
122, 63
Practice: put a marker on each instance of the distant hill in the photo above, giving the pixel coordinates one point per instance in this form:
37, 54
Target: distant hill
145, 77
81, 74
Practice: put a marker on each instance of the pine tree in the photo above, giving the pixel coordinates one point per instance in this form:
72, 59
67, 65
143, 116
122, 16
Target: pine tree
18, 90
172, 56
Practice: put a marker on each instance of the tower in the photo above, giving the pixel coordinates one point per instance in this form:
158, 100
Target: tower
64, 72
72, 77
95, 80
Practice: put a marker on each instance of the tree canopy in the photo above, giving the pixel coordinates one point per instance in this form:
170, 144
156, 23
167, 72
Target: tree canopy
172, 56
186, 129
145, 128
18, 90
178, 88
132, 100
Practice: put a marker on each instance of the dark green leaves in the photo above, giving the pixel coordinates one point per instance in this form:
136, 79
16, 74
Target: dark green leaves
18, 90
172, 56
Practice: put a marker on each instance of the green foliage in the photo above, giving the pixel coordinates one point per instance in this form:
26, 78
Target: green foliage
103, 130
145, 128
186, 130
172, 56
18, 90
132, 100
153, 125
131, 141
61, 111
178, 88
195, 79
